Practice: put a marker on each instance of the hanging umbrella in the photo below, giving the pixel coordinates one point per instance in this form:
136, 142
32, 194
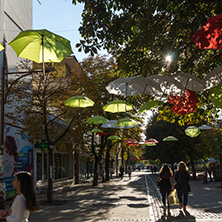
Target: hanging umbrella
169, 85
151, 140
1, 47
184, 104
117, 106
205, 127
124, 87
150, 105
111, 124
130, 141
150, 144
125, 123
192, 131
213, 78
215, 95
113, 137
41, 46
190, 82
79, 101
97, 120
210, 35
170, 138
96, 130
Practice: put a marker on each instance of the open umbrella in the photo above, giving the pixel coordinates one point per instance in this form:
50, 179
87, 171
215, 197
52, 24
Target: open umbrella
169, 85
151, 140
184, 104
150, 105
125, 123
190, 82
205, 127
79, 101
131, 142
1, 47
170, 138
210, 35
113, 137
41, 46
111, 124
97, 120
215, 95
213, 78
117, 106
96, 130
192, 131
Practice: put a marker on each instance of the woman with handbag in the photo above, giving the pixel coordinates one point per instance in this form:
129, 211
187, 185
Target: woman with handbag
182, 186
165, 182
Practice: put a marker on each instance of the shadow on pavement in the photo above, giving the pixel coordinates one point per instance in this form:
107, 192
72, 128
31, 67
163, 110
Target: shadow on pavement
182, 216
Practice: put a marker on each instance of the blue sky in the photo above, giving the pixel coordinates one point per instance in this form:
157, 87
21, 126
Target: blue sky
60, 17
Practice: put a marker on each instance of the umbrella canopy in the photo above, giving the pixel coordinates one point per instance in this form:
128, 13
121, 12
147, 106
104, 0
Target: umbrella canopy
1, 47
124, 87
113, 137
184, 104
205, 127
96, 130
111, 124
170, 138
213, 78
192, 131
79, 101
130, 141
210, 35
151, 140
41, 46
215, 95
150, 105
117, 106
190, 82
97, 120
169, 85
125, 123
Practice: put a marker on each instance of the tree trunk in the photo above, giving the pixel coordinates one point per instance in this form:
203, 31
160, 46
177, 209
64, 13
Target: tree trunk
220, 159
87, 169
192, 165
95, 175
50, 174
117, 166
107, 165
76, 166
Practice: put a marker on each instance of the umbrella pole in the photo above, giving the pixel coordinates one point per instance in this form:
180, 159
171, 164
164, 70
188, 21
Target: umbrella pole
43, 64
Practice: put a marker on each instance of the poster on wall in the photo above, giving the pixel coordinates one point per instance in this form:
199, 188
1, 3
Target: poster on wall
18, 156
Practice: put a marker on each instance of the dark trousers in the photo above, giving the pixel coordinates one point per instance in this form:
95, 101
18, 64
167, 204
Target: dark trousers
164, 195
183, 198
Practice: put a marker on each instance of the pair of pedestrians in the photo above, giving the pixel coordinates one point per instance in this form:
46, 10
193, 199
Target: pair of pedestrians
165, 182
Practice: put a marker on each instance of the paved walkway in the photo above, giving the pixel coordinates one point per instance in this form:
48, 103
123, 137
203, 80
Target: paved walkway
137, 199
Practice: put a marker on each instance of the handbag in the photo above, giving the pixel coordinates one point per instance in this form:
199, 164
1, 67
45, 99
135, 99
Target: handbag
173, 198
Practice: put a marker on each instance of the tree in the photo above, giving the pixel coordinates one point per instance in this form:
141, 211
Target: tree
46, 116
139, 34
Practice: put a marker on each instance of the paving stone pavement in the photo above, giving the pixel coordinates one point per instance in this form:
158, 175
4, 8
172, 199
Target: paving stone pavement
135, 200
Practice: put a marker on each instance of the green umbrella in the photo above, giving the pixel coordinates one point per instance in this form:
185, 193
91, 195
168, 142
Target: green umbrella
113, 137
192, 131
41, 46
149, 105
215, 95
96, 130
117, 106
170, 138
125, 122
1, 47
79, 101
97, 120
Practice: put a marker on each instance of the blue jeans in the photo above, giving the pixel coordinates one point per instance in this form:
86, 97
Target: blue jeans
183, 197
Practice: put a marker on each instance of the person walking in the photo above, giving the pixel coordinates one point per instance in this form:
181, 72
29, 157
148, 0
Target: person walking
24, 202
165, 183
129, 171
182, 186
121, 172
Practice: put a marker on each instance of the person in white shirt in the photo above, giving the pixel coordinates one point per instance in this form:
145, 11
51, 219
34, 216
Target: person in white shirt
25, 201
